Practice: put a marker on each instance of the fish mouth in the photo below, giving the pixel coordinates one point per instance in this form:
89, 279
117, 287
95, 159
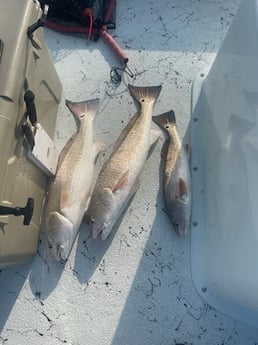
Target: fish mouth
180, 229
100, 232
59, 251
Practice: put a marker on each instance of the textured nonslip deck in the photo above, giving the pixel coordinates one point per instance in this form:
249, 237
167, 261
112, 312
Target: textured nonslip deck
135, 288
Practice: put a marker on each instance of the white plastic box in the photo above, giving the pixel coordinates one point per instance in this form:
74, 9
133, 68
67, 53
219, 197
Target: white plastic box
224, 140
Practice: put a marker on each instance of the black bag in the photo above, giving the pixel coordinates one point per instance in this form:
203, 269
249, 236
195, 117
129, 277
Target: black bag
75, 11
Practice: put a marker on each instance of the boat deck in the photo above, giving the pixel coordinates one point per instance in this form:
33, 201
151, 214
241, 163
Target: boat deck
135, 288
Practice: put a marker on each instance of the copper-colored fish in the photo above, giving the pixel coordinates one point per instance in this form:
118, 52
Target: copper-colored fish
71, 187
120, 176
177, 178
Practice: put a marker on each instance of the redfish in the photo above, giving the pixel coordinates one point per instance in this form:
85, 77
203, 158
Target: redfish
70, 189
120, 176
177, 178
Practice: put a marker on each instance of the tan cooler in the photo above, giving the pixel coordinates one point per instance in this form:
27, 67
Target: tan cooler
30, 92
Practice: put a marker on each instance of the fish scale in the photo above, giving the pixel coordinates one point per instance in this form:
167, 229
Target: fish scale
176, 179
119, 178
76, 152
70, 190
128, 157
173, 160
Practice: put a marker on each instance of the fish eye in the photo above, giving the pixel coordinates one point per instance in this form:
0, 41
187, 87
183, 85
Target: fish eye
82, 115
167, 126
92, 221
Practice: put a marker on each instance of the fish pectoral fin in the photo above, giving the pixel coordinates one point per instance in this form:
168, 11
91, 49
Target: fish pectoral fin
55, 220
58, 228
155, 135
121, 183
107, 192
183, 193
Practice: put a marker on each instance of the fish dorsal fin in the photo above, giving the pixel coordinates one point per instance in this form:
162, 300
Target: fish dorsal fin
124, 132
65, 150
120, 184
183, 190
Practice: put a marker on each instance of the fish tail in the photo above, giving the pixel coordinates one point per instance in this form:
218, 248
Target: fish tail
142, 94
78, 109
166, 119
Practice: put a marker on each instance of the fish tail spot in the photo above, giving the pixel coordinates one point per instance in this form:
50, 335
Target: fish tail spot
141, 94
165, 120
82, 109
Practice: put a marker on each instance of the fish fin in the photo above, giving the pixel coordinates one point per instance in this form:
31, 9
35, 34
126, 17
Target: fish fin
107, 193
87, 202
98, 148
54, 219
165, 120
164, 150
65, 150
121, 182
124, 132
108, 190
147, 93
155, 135
87, 218
183, 190
81, 109
135, 186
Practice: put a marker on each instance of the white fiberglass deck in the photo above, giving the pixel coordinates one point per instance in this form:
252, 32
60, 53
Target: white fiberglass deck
135, 288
